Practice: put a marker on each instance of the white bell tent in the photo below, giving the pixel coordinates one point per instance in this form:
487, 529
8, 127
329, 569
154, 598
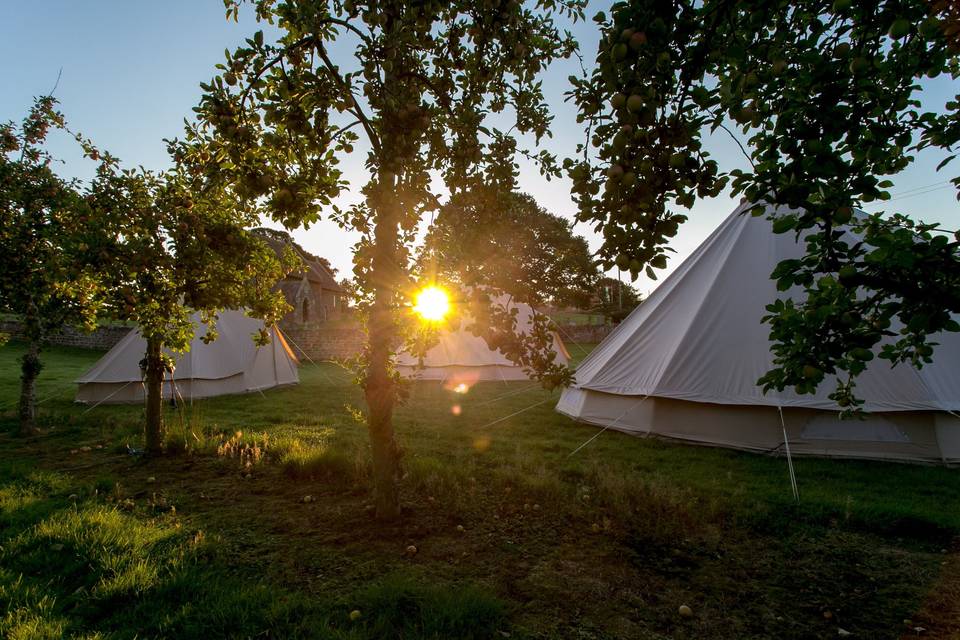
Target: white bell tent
463, 358
685, 365
231, 364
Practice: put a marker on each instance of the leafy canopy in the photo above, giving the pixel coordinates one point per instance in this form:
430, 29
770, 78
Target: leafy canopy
827, 97
509, 242
280, 239
434, 95
178, 246
48, 234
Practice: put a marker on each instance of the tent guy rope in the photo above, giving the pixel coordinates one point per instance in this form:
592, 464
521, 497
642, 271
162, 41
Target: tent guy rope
115, 392
619, 418
515, 413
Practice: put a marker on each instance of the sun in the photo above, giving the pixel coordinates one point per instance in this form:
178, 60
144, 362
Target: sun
432, 303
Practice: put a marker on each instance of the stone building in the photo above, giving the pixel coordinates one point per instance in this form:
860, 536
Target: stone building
313, 292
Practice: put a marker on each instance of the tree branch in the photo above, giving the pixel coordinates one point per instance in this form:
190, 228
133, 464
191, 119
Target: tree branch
346, 25
441, 98
279, 59
344, 129
355, 110
739, 144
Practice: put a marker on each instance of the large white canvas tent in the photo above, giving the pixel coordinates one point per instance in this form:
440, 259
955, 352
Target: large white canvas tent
231, 364
463, 358
686, 362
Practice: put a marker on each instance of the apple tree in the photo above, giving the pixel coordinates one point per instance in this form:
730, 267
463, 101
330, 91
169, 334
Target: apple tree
826, 95
178, 246
47, 273
429, 93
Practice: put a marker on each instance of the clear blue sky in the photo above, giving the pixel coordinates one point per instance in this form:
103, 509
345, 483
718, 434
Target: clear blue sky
131, 74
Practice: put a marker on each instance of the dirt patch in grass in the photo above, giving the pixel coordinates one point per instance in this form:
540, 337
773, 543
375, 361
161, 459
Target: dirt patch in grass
939, 617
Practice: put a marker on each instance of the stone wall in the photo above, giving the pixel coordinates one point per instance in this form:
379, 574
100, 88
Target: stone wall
102, 338
324, 341
344, 339
313, 341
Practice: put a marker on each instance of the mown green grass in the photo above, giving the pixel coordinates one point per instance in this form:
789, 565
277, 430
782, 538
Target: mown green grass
627, 528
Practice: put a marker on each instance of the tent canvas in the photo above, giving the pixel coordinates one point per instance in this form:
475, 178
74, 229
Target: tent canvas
685, 364
463, 358
231, 364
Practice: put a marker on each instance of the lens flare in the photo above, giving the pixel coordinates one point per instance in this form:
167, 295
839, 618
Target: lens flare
481, 443
432, 304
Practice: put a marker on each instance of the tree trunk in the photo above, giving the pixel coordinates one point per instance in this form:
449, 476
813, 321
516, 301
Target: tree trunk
30, 369
379, 387
386, 456
154, 384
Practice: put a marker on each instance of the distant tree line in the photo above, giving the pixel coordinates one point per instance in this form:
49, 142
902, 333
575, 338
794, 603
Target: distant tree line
615, 298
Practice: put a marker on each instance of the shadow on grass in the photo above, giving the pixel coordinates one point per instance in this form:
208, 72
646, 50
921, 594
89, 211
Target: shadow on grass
73, 566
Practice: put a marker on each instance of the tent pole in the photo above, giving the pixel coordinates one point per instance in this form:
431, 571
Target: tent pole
786, 444
193, 376
936, 434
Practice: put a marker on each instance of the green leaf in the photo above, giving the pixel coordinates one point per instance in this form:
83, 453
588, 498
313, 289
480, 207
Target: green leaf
784, 223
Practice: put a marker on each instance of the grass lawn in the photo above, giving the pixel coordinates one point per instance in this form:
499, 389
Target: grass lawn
260, 526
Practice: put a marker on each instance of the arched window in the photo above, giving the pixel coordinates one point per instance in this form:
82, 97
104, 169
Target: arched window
305, 311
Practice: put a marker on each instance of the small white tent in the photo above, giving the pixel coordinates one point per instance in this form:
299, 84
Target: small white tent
231, 364
686, 362
463, 358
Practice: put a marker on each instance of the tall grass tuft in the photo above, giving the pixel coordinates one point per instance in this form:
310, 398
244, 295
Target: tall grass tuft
247, 450
321, 461
189, 433
29, 611
400, 607
654, 511
451, 484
